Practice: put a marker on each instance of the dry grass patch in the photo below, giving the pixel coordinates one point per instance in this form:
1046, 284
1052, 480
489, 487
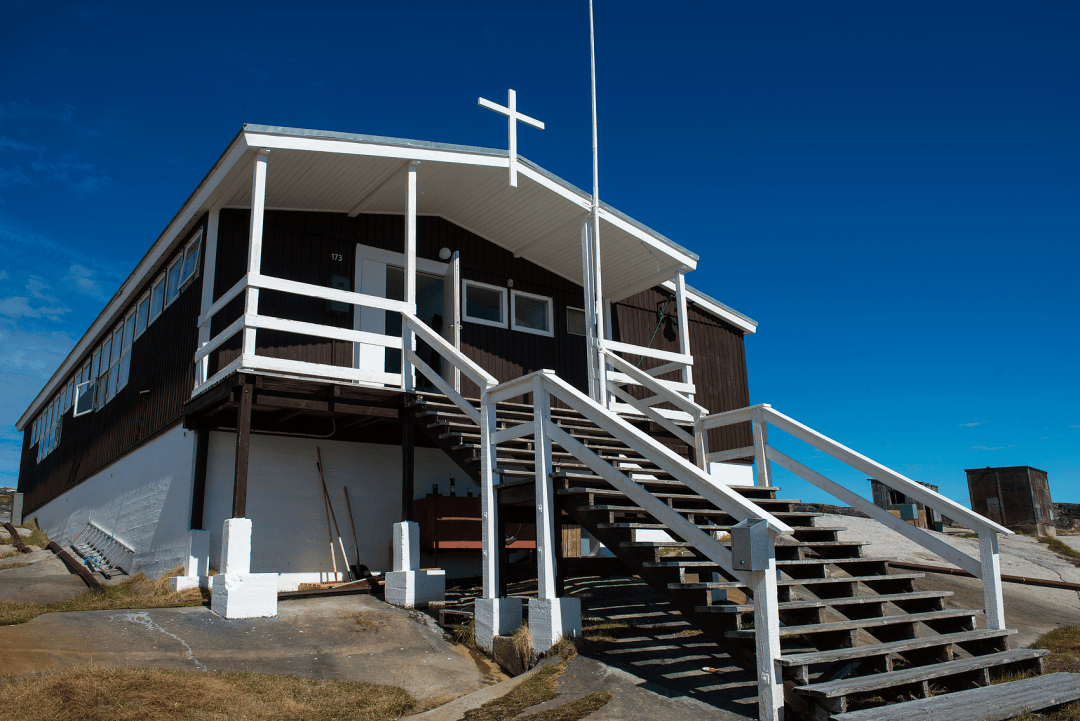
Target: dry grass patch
1062, 549
135, 592
536, 690
142, 694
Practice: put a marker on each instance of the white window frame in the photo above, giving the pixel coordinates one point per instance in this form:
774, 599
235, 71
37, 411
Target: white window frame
160, 282
81, 390
138, 306
586, 320
196, 241
179, 262
503, 304
550, 332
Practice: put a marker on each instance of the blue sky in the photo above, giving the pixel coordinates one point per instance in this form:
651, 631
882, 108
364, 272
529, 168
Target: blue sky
890, 189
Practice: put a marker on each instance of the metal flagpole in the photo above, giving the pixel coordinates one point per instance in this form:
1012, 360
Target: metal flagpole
598, 293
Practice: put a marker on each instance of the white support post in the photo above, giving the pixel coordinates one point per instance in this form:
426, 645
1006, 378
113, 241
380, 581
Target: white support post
550, 618
762, 469
767, 635
255, 238
545, 496
209, 271
592, 327
488, 506
684, 328
493, 616
991, 578
408, 338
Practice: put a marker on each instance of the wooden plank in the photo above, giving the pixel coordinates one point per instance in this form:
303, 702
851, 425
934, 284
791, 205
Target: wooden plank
473, 371
508, 434
867, 622
703, 542
243, 449
467, 408
669, 390
683, 359
717, 420
321, 331
918, 535
321, 370
651, 413
989, 703
257, 280
223, 301
734, 453
873, 682
879, 649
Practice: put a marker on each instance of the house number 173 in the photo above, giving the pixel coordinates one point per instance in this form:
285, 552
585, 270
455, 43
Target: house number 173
335, 256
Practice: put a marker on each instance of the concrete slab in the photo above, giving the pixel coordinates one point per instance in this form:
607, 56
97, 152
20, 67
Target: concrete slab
344, 638
24, 558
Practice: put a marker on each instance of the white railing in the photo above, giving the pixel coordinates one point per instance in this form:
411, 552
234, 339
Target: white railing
680, 395
545, 385
987, 566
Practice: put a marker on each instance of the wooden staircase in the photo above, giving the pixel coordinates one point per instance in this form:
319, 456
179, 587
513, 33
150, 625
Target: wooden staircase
854, 635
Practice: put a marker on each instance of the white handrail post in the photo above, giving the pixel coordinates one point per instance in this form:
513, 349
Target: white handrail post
592, 327
545, 500
489, 508
762, 469
408, 338
209, 272
767, 633
701, 443
255, 239
991, 578
684, 328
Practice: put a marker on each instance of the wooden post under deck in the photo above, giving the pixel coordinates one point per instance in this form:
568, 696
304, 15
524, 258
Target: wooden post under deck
243, 447
408, 465
198, 497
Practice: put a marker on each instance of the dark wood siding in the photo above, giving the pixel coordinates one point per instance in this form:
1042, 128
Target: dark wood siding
161, 365
298, 246
650, 319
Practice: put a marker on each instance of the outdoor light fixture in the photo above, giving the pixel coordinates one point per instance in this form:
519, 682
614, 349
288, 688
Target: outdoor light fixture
444, 253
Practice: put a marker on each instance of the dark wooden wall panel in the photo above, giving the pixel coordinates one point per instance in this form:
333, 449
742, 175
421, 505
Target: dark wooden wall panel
650, 319
161, 365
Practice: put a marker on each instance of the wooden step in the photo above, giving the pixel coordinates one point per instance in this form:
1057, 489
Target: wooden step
855, 624
797, 581
829, 602
687, 562
873, 682
880, 649
989, 703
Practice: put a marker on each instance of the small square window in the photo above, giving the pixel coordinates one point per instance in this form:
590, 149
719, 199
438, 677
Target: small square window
575, 321
532, 313
485, 304
142, 315
157, 298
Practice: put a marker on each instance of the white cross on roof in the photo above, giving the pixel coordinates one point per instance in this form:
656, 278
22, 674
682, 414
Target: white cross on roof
513, 116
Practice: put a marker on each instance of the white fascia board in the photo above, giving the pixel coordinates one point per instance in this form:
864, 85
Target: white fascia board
743, 324
189, 210
354, 147
688, 262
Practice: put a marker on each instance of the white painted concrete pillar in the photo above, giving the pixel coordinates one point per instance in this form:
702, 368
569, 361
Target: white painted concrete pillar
408, 585
235, 591
197, 564
255, 239
16, 509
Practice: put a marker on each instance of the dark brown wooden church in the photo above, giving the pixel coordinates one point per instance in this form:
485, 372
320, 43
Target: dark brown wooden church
268, 320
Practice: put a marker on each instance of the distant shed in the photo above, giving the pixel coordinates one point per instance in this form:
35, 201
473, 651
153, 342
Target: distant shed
910, 509
1014, 496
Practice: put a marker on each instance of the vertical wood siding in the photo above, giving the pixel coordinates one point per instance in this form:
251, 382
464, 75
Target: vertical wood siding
161, 365
650, 319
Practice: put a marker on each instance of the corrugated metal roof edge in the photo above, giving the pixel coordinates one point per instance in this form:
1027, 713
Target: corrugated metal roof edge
450, 147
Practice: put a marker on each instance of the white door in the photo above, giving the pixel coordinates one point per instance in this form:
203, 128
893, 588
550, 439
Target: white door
381, 273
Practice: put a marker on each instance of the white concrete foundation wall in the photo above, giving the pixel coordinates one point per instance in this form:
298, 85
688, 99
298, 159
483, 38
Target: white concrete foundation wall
143, 499
285, 502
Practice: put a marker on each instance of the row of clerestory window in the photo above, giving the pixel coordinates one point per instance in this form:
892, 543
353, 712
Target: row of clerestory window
106, 371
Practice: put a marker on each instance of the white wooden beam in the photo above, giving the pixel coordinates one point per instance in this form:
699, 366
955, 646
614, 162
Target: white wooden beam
545, 492
407, 337
488, 506
255, 239
592, 327
990, 567
209, 272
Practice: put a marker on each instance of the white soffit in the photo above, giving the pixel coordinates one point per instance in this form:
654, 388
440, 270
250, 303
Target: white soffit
540, 220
